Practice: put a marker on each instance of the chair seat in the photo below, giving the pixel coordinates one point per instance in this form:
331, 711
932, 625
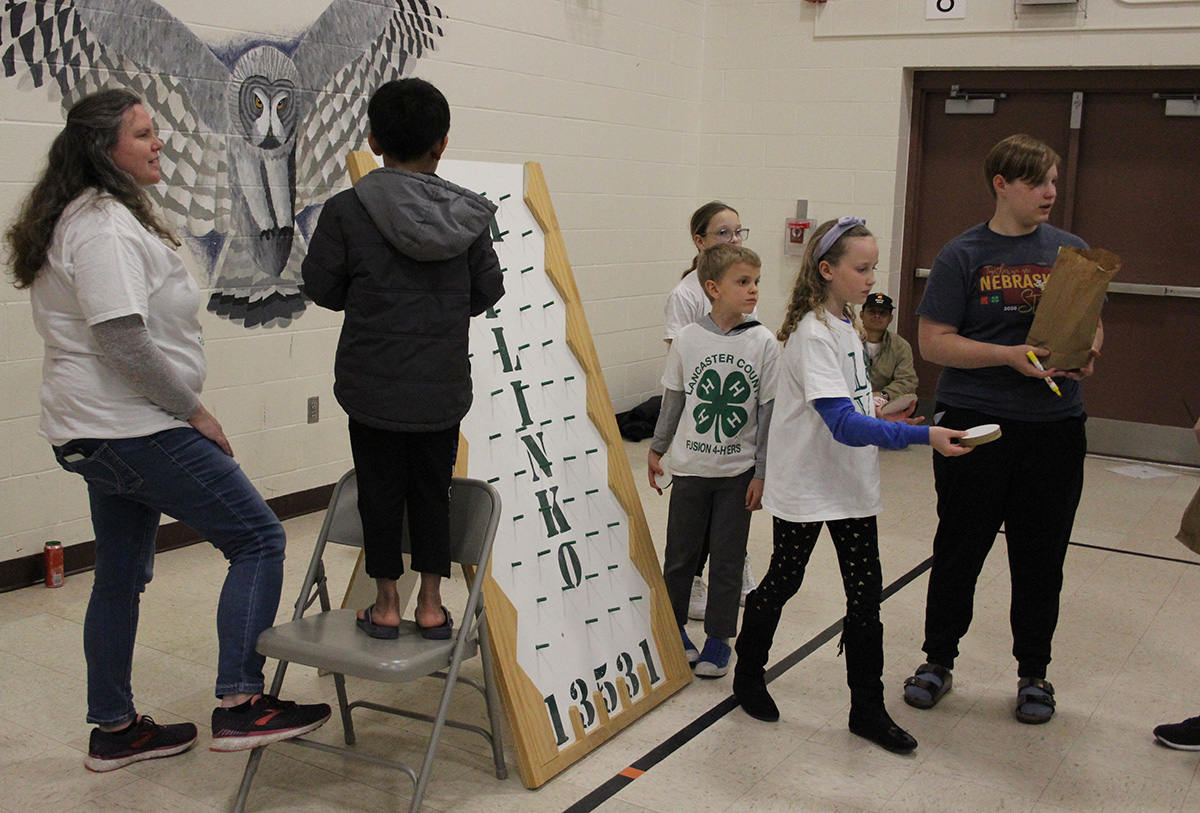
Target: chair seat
332, 641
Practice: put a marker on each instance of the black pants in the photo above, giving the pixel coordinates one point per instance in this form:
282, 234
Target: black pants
857, 544
1030, 480
711, 508
398, 471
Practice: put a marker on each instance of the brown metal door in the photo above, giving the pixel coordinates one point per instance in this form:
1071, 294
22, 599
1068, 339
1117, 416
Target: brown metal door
1129, 182
1138, 194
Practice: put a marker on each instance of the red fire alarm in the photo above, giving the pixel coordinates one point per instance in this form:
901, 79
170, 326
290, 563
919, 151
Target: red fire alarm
794, 247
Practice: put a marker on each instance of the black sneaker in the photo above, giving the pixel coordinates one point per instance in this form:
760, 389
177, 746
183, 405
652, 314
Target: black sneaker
1183, 736
264, 721
145, 739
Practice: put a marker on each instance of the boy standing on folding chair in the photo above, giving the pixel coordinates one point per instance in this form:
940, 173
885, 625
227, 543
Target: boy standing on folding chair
408, 257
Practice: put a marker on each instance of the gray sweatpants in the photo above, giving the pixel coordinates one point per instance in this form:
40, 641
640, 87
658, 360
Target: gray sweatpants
718, 505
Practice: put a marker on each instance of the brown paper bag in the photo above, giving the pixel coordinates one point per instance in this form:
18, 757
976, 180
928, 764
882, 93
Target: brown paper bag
1189, 527
1069, 309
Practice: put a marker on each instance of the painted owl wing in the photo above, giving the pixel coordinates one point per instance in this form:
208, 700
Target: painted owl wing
370, 50
158, 42
77, 48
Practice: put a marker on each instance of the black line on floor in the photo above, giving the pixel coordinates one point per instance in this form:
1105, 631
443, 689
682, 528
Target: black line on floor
600, 795
693, 729
1137, 553
696, 727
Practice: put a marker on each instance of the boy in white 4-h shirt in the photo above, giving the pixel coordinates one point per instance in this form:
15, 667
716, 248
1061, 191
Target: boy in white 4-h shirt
718, 388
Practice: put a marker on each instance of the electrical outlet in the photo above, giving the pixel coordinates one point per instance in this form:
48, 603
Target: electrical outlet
314, 409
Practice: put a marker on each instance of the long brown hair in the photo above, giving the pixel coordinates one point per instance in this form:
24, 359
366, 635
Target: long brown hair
812, 289
699, 224
79, 160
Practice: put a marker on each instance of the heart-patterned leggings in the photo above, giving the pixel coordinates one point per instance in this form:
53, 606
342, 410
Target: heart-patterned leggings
857, 543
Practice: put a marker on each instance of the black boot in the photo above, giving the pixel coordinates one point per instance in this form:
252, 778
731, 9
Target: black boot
753, 648
863, 642
875, 724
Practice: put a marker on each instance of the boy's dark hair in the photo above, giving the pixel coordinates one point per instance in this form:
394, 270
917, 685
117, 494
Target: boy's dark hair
714, 262
1019, 158
407, 117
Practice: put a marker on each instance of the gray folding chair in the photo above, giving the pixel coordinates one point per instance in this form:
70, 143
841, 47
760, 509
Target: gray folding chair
329, 639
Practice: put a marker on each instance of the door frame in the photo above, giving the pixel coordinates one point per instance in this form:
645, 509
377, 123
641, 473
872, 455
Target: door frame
1106, 436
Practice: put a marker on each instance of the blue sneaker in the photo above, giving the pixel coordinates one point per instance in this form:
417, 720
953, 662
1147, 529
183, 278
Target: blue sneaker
689, 649
714, 660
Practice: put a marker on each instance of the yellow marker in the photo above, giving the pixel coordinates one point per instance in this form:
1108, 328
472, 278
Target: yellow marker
1050, 381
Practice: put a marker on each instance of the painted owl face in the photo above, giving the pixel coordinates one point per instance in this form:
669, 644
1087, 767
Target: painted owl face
261, 98
266, 111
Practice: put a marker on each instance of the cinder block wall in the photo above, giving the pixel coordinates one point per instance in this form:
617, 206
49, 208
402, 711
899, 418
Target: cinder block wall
606, 95
638, 112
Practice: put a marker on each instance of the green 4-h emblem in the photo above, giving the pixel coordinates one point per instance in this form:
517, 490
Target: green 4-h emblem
719, 408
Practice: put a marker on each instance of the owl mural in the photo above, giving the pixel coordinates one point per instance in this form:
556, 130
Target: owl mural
254, 133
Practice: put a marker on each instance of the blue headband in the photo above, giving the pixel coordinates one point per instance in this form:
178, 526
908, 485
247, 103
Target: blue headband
830, 237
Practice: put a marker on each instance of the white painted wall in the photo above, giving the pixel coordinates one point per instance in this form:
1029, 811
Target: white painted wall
638, 112
811, 101
605, 95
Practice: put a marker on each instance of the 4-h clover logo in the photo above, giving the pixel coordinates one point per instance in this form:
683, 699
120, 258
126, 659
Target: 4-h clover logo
719, 408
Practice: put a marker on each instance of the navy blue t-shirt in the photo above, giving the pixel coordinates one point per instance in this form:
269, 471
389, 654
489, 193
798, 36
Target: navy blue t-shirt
987, 286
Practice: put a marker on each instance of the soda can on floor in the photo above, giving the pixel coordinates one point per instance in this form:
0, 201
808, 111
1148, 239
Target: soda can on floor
54, 564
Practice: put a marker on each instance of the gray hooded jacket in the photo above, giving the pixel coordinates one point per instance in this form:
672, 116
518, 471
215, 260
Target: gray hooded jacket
409, 259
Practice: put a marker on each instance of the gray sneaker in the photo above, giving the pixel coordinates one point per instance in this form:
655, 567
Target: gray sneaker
698, 600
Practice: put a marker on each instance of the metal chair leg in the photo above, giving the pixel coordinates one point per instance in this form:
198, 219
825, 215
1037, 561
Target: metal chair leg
492, 699
247, 777
339, 682
256, 754
438, 724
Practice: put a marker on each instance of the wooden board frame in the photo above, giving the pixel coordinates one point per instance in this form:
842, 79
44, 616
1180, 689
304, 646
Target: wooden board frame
539, 757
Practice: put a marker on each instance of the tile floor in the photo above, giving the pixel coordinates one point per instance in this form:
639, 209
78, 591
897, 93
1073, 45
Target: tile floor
1126, 658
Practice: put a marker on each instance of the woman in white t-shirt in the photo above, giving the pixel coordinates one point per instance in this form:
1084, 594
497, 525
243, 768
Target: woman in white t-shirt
121, 381
823, 469
714, 222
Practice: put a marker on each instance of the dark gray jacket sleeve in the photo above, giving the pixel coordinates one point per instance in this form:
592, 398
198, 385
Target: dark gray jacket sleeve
326, 278
487, 280
130, 352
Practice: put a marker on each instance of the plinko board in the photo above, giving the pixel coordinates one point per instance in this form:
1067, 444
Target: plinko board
584, 640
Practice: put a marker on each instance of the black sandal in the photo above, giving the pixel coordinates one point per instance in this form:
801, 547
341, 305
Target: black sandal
441, 632
367, 624
1035, 701
936, 688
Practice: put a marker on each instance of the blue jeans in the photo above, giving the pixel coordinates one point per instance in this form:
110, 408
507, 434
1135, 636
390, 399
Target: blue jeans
181, 473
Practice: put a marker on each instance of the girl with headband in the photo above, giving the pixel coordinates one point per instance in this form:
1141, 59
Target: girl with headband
823, 469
